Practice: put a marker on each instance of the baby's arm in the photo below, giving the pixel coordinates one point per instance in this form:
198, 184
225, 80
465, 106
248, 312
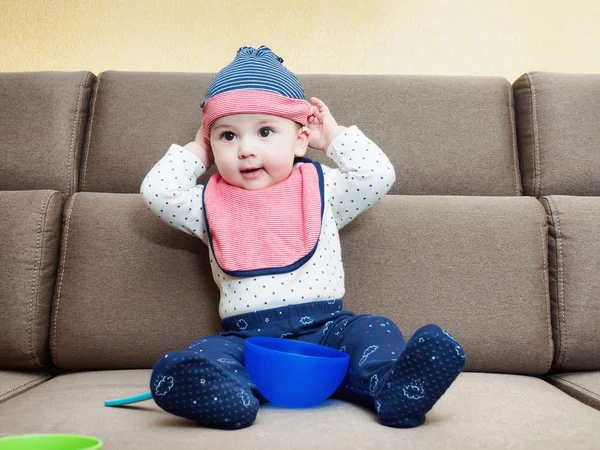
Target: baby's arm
171, 191
363, 175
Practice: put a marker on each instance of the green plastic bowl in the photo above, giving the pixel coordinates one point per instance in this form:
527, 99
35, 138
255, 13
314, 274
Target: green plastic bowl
50, 442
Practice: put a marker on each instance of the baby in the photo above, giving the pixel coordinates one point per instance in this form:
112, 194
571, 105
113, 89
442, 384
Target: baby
271, 220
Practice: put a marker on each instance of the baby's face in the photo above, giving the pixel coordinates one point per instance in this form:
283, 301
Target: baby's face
256, 151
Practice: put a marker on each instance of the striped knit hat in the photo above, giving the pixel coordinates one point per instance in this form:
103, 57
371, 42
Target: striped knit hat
256, 82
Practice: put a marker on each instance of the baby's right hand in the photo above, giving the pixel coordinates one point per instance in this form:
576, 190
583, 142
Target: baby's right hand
199, 148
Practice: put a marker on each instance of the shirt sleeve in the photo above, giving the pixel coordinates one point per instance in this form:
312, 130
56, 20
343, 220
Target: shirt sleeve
363, 176
171, 191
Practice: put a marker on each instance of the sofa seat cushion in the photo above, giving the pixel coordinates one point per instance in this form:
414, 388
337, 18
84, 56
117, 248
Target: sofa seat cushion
478, 411
30, 226
15, 382
574, 264
584, 386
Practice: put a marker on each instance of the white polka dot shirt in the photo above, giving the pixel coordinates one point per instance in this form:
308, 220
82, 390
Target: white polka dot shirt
362, 177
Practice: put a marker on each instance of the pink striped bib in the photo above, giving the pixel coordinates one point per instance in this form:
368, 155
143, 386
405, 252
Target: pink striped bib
274, 230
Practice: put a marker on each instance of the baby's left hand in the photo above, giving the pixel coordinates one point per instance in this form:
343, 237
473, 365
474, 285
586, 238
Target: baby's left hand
323, 127
200, 147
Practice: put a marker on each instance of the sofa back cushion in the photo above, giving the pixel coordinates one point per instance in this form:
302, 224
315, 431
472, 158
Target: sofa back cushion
43, 116
444, 135
476, 266
131, 288
134, 118
558, 133
574, 238
30, 226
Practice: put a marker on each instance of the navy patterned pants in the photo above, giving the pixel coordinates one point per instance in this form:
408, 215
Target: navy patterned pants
209, 384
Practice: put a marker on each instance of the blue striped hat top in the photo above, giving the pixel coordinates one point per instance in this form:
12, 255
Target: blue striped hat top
259, 69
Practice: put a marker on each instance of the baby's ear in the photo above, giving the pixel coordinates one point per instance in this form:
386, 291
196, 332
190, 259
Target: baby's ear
302, 141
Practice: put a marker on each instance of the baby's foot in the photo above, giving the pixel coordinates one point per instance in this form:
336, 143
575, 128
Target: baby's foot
189, 385
428, 365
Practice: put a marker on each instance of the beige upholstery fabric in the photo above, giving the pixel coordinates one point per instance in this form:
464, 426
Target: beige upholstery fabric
134, 119
476, 266
574, 243
584, 386
558, 133
489, 265
478, 411
129, 287
444, 135
14, 382
30, 226
43, 116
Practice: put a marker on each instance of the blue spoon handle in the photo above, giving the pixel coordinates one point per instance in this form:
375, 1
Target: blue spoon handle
127, 400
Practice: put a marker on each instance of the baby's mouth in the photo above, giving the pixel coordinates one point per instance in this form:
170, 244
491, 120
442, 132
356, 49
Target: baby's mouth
249, 174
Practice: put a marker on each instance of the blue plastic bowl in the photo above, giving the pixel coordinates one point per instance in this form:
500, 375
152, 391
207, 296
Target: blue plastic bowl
294, 374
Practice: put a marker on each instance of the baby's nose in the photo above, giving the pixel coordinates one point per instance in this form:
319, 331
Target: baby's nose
246, 148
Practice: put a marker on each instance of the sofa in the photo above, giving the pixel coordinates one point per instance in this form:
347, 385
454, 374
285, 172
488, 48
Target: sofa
492, 231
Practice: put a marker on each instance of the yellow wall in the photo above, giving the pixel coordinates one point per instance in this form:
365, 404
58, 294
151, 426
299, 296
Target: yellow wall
474, 37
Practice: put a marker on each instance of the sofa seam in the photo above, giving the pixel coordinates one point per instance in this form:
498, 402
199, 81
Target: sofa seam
76, 120
559, 284
550, 217
511, 108
541, 222
536, 143
34, 297
89, 132
47, 376
69, 211
560, 278
594, 394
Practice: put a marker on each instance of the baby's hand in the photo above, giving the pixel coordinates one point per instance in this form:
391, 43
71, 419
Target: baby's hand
323, 127
200, 148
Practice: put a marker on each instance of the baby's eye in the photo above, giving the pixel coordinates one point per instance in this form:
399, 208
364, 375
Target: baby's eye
228, 136
265, 132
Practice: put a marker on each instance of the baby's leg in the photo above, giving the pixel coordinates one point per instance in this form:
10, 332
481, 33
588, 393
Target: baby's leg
207, 383
374, 343
400, 381
428, 366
